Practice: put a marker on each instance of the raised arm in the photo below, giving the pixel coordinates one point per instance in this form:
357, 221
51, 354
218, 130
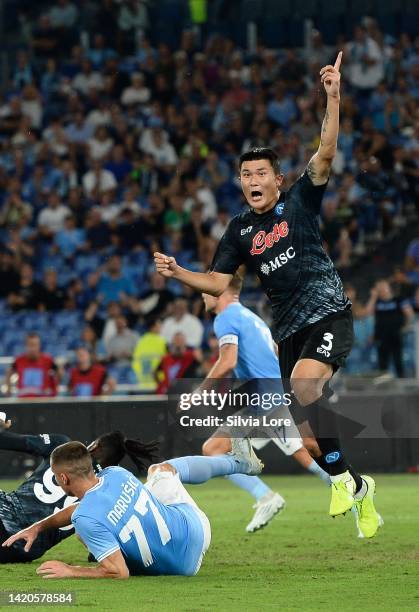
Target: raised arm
319, 165
213, 283
39, 446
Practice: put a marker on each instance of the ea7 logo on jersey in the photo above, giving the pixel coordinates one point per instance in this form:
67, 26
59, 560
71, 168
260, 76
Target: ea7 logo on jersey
246, 230
326, 347
262, 240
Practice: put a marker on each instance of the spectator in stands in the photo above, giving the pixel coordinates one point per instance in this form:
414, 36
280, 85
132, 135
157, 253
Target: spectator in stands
148, 353
70, 240
137, 92
100, 145
120, 346
391, 316
114, 285
37, 374
52, 218
366, 61
63, 14
89, 379
9, 276
180, 362
88, 79
220, 224
132, 23
99, 53
23, 73
27, 295
15, 210
103, 324
98, 180
45, 39
88, 339
182, 321
51, 296
119, 164
79, 130
198, 193
155, 301
155, 142
98, 233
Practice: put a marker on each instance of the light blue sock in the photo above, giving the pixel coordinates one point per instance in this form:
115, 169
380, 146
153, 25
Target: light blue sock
314, 468
198, 469
252, 484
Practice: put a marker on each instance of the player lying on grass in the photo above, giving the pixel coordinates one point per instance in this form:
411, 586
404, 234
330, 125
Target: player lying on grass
279, 240
247, 348
130, 528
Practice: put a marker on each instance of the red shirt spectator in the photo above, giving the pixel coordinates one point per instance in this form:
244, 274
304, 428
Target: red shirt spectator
36, 371
88, 379
181, 362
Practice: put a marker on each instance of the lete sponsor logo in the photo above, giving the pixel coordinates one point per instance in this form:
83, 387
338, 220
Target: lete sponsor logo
262, 240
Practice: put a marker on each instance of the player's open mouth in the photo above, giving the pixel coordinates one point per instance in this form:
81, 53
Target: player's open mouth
256, 195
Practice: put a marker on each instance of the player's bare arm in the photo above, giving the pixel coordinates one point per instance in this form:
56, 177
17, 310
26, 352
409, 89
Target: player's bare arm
319, 165
113, 566
227, 361
54, 521
213, 283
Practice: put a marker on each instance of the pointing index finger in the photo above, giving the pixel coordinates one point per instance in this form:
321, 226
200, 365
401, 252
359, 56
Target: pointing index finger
338, 61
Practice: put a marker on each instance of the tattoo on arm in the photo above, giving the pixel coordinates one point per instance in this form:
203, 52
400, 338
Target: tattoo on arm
324, 125
311, 171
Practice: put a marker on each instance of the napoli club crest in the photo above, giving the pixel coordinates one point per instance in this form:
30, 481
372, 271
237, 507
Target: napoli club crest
279, 208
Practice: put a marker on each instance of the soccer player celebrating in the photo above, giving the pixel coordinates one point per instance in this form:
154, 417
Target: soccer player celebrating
247, 348
279, 240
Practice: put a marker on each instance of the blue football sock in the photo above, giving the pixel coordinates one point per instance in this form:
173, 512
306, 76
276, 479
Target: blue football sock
198, 469
314, 468
252, 484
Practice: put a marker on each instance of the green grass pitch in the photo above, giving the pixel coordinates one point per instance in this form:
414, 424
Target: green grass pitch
303, 561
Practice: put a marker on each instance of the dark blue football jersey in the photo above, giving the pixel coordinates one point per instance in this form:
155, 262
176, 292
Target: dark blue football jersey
39, 495
283, 247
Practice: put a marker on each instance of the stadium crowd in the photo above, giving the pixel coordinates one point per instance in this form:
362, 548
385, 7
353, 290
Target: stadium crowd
111, 148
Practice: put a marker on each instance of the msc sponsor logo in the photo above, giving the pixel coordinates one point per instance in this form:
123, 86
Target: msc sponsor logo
278, 262
326, 347
262, 240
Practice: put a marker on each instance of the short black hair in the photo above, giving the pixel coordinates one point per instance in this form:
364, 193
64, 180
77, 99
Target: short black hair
261, 153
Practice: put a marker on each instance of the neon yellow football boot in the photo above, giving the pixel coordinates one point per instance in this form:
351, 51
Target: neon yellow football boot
342, 495
368, 518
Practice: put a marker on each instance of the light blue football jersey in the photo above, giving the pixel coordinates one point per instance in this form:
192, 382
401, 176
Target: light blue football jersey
119, 513
236, 324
